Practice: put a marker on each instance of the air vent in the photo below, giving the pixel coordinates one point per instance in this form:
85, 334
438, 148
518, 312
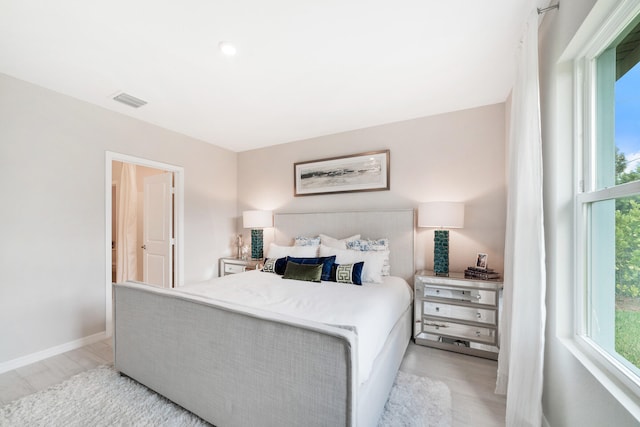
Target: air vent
131, 101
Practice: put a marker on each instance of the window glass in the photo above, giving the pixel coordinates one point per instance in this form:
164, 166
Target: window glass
613, 219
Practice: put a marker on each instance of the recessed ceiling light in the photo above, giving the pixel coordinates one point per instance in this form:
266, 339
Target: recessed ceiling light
227, 48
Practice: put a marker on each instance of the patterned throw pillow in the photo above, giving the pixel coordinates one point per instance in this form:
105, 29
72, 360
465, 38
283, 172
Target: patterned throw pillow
372, 245
269, 265
275, 265
373, 261
347, 273
306, 241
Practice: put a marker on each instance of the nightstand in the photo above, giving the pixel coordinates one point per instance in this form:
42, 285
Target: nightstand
236, 265
457, 314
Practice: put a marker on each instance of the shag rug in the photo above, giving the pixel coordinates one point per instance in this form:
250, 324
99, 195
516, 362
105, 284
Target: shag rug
102, 397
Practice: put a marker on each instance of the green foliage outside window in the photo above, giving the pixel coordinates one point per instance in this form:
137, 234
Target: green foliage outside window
627, 234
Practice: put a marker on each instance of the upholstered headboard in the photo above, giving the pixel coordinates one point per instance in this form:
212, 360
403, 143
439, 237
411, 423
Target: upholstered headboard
396, 225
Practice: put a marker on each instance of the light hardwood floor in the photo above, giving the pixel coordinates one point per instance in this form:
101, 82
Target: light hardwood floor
470, 379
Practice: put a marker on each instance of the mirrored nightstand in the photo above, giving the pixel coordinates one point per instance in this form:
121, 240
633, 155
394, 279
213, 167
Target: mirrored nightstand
236, 265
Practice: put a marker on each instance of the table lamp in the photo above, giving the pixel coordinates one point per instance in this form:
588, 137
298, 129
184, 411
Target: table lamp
441, 215
256, 221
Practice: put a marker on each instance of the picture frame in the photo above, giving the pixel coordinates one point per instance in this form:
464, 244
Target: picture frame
481, 261
367, 171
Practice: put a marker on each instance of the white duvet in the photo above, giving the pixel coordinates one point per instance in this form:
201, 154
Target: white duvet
370, 310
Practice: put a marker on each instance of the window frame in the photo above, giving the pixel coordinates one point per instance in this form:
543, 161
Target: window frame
611, 372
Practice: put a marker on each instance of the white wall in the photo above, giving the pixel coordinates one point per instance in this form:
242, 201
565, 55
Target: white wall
456, 156
572, 396
52, 251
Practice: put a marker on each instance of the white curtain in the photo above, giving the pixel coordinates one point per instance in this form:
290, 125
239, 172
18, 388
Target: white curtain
520, 363
126, 268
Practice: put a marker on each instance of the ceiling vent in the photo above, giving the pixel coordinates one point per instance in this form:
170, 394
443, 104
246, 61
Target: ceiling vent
131, 101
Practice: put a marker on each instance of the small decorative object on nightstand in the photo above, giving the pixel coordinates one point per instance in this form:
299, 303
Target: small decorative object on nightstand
235, 265
457, 314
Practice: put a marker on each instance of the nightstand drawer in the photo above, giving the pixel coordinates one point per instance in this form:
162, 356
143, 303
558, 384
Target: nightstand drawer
234, 268
475, 296
236, 265
473, 314
457, 330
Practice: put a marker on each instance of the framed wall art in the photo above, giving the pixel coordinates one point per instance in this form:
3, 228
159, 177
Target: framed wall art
346, 174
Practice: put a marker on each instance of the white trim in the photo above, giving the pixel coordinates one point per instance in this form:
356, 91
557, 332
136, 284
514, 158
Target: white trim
622, 190
595, 32
592, 360
50, 352
599, 30
178, 173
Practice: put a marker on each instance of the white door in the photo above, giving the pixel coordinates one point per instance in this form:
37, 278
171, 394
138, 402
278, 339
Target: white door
157, 262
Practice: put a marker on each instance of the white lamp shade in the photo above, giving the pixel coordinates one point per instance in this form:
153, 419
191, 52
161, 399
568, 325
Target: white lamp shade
441, 215
257, 219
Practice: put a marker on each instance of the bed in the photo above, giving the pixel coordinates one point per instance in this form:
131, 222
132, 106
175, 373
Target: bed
242, 364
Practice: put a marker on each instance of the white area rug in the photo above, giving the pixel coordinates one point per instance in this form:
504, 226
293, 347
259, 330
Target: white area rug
101, 397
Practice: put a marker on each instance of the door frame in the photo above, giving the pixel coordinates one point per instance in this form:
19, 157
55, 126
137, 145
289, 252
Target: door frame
178, 220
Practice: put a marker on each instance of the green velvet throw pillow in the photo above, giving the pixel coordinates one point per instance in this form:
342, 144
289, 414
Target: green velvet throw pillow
307, 272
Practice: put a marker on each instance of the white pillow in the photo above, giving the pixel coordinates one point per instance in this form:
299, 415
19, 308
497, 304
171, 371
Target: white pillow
277, 251
337, 243
373, 261
372, 245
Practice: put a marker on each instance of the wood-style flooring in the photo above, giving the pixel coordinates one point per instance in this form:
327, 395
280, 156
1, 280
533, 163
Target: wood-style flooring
470, 379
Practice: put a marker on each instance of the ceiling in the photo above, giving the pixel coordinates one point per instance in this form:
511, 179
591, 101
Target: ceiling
303, 68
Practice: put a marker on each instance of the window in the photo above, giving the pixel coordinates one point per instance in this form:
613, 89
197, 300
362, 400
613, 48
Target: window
609, 205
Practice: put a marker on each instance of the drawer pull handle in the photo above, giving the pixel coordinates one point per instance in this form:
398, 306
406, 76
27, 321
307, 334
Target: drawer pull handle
437, 326
478, 333
437, 308
478, 296
479, 315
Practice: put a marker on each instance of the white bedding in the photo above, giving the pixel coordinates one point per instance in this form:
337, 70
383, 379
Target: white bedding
370, 310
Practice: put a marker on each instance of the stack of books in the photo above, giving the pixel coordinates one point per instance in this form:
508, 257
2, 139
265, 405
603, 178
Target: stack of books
481, 273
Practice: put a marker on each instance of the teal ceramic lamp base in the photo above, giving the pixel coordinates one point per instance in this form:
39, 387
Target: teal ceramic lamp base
256, 244
440, 252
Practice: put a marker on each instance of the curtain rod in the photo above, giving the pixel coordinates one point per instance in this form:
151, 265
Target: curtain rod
546, 9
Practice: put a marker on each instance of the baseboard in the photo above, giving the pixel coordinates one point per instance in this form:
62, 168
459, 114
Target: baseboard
53, 351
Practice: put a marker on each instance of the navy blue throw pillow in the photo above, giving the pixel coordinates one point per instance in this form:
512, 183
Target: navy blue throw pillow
281, 265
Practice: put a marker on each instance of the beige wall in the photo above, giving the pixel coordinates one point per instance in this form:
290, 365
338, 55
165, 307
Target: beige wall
572, 396
52, 179
457, 156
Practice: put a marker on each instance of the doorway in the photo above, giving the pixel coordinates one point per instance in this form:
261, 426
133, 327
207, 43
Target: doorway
144, 223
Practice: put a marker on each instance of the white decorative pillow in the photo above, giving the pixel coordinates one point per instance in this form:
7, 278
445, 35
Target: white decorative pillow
337, 243
373, 261
306, 241
372, 245
277, 251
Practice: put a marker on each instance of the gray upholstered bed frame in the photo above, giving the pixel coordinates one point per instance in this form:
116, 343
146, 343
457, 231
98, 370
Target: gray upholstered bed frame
245, 367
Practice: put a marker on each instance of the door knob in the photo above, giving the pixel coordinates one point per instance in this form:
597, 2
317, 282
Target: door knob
144, 246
